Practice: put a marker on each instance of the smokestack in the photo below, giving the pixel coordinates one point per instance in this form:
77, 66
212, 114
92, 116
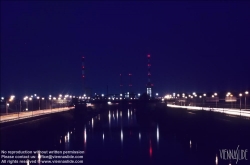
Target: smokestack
83, 73
149, 84
130, 84
121, 85
149, 73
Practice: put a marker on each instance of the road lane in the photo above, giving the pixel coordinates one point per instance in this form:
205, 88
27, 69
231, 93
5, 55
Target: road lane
28, 114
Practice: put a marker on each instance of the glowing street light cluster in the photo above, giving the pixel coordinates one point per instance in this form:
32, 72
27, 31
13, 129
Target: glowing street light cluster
11, 98
198, 98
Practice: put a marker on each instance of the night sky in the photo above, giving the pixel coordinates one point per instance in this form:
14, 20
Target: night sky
194, 46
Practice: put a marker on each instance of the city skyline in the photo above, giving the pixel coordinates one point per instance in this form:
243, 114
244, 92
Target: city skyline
194, 46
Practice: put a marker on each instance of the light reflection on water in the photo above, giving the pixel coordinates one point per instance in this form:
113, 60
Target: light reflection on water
124, 136
109, 119
121, 136
128, 127
85, 138
108, 131
38, 157
157, 134
92, 123
150, 149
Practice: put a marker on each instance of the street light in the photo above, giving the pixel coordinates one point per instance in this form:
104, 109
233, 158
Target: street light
45, 104
215, 94
246, 99
32, 104
231, 101
54, 98
39, 101
59, 102
50, 104
11, 98
203, 98
240, 103
20, 107
26, 99
7, 106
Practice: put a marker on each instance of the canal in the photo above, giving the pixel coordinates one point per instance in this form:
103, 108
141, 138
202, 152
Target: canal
125, 136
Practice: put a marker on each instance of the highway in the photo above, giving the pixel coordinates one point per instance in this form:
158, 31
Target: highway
29, 114
230, 111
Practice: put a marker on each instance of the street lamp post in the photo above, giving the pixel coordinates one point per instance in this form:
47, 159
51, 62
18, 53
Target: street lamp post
31, 105
204, 98
215, 98
54, 98
246, 99
25, 99
232, 101
50, 102
7, 105
42, 104
240, 103
20, 108
39, 102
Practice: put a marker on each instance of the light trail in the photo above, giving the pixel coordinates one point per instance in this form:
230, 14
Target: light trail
237, 112
29, 114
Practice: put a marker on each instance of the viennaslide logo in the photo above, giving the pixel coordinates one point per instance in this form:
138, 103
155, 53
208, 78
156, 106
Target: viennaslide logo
234, 154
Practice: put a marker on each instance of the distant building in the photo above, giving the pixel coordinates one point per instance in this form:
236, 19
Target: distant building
149, 90
149, 84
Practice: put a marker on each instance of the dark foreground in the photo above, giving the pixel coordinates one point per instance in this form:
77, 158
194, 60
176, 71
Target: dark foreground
134, 135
